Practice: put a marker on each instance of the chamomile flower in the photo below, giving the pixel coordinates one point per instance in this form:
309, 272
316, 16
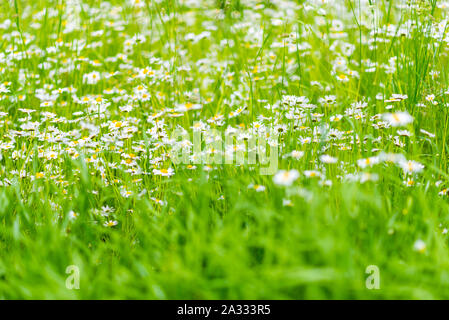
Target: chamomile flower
110, 223
419, 246
398, 119
257, 187
164, 172
410, 166
328, 159
73, 215
285, 177
295, 154
91, 78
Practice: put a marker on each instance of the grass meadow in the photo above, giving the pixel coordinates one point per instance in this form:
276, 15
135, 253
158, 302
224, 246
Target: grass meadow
252, 149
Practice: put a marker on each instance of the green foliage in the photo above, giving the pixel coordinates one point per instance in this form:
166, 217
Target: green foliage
223, 231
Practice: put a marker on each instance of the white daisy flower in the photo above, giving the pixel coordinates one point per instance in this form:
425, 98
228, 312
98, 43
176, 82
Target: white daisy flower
285, 178
398, 119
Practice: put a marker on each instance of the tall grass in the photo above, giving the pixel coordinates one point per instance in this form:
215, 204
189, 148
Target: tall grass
207, 233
